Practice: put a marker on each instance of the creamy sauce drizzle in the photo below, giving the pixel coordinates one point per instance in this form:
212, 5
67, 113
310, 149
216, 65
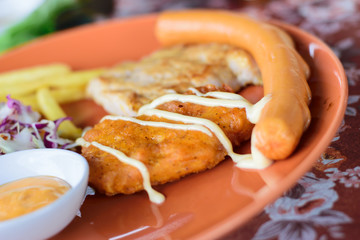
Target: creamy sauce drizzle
215, 129
255, 160
177, 126
223, 99
154, 196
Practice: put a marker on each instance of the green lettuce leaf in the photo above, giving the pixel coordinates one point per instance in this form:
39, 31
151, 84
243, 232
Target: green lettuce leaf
40, 22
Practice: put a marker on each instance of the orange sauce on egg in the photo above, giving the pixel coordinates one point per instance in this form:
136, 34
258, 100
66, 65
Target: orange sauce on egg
29, 194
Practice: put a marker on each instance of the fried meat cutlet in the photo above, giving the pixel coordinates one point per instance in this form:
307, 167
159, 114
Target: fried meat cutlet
168, 154
232, 121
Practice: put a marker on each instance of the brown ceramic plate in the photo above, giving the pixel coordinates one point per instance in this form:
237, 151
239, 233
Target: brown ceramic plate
205, 205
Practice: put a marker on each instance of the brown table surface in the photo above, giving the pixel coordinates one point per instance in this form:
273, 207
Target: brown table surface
324, 204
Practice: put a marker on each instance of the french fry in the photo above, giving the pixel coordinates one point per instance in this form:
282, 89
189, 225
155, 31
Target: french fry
52, 111
21, 89
61, 95
66, 95
45, 87
31, 74
28, 100
70, 80
74, 79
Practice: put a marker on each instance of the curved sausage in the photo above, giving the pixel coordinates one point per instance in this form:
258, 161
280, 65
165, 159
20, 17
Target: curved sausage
284, 72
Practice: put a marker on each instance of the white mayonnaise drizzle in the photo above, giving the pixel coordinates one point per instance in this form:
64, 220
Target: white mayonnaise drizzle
255, 160
214, 128
154, 196
223, 99
220, 95
178, 126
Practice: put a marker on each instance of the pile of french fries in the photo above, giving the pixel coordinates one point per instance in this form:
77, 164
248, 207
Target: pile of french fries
45, 87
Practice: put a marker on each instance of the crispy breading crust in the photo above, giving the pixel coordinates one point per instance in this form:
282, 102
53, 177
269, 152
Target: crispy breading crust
167, 153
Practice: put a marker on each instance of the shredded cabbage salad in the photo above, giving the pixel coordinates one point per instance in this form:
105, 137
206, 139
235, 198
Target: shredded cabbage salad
22, 128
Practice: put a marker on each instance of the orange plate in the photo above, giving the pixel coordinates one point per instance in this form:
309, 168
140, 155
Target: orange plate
205, 205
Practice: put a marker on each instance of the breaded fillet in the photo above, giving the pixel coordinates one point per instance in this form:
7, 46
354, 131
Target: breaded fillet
128, 86
232, 121
167, 153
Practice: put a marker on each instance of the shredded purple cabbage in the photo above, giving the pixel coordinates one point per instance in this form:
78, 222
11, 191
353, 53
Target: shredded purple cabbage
22, 128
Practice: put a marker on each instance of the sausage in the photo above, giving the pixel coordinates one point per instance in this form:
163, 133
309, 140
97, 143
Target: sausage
286, 116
